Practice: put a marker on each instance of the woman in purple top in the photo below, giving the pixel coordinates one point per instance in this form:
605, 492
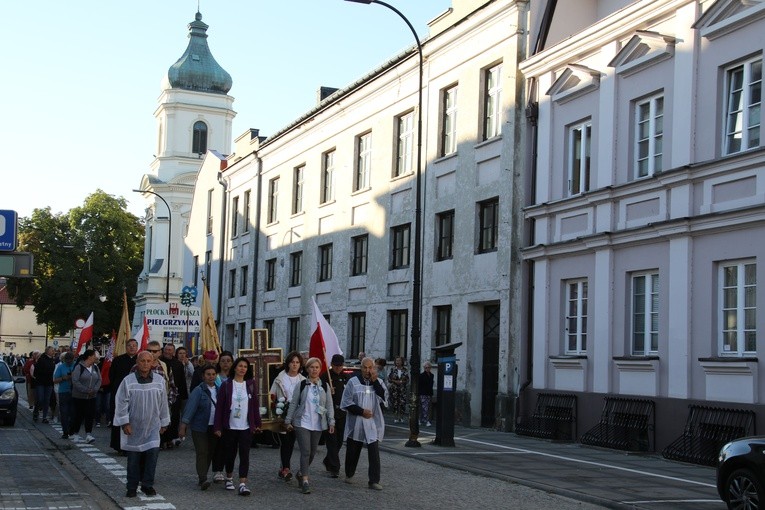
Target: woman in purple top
237, 418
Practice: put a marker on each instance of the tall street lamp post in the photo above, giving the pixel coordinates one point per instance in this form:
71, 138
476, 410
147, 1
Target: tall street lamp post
414, 357
169, 237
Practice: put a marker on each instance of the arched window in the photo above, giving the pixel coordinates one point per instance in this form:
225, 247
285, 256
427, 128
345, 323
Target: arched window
199, 142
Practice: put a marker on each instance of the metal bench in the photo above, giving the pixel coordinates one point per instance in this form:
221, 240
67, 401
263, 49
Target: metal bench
625, 424
554, 417
707, 429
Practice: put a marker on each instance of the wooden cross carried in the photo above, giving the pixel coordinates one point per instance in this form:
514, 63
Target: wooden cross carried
261, 356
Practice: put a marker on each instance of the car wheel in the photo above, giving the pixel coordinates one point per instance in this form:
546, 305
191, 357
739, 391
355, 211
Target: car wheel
744, 490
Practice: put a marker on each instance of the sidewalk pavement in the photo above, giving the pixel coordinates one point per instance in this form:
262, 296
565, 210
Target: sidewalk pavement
610, 478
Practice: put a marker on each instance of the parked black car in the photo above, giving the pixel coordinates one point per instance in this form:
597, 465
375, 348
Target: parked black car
9, 397
741, 473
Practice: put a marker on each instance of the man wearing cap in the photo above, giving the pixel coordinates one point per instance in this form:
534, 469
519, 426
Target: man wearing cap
338, 379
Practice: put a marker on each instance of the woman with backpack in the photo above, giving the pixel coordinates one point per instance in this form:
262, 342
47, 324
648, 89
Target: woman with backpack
86, 381
310, 413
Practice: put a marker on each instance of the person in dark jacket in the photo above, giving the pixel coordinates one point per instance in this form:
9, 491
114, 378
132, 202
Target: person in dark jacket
43, 375
335, 440
425, 389
120, 369
177, 377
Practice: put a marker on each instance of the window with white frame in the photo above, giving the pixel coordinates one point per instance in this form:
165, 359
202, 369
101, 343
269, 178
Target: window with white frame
443, 324
246, 212
576, 317
445, 235
363, 161
209, 212
398, 321
270, 274
273, 199
649, 136
579, 139
645, 314
488, 225
405, 148
743, 96
449, 121
235, 217
359, 254
297, 189
358, 321
738, 308
325, 262
399, 256
296, 269
328, 177
492, 120
293, 340
244, 280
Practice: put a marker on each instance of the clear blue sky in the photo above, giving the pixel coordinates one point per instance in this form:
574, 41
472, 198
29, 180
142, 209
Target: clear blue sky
81, 79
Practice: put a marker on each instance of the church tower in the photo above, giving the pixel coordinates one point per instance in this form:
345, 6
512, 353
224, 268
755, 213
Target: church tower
194, 114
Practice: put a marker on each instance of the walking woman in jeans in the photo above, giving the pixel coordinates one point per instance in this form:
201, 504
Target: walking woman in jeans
281, 390
86, 381
310, 412
237, 418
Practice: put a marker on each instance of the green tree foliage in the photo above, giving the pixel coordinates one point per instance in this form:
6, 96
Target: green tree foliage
92, 251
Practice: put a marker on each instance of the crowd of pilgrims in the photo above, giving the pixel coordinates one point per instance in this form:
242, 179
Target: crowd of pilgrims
214, 398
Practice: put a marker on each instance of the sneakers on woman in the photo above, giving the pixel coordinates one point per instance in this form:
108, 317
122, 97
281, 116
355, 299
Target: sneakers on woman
230, 484
218, 477
306, 488
243, 490
90, 439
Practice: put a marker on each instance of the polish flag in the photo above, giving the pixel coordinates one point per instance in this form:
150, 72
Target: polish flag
142, 335
324, 343
86, 335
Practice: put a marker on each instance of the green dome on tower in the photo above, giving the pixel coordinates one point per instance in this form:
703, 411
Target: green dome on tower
197, 69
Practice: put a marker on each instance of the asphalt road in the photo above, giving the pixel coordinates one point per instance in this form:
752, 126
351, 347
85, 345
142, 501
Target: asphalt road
65, 475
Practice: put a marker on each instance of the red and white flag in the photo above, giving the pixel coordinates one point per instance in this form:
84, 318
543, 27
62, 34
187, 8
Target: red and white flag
324, 343
86, 335
142, 335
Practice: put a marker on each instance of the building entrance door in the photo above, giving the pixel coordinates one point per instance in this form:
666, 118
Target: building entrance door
490, 377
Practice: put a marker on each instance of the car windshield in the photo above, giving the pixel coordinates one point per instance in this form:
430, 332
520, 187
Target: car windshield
5, 374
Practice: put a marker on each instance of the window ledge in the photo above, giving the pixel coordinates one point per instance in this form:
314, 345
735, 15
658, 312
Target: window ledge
360, 191
298, 214
445, 157
729, 359
568, 357
637, 357
327, 203
402, 176
488, 141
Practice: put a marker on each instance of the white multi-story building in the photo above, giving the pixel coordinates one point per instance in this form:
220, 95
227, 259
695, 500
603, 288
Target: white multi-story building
325, 208
647, 206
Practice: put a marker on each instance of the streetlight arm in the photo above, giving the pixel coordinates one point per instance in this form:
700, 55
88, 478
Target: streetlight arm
169, 237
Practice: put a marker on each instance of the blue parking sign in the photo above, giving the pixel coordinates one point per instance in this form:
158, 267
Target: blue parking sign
9, 225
